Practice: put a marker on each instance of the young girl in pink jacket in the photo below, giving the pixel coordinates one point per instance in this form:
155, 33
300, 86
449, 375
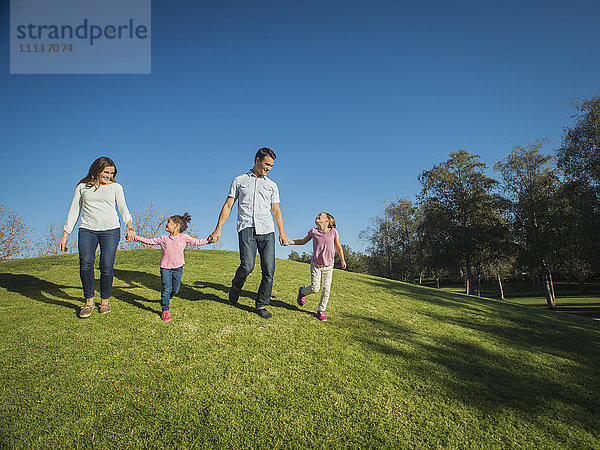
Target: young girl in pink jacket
171, 260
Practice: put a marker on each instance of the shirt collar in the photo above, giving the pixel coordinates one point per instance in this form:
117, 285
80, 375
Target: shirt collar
252, 174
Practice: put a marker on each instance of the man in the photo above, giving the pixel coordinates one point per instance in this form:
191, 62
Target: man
257, 196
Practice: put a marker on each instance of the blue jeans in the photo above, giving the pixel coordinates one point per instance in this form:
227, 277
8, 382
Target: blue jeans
88, 243
265, 244
171, 282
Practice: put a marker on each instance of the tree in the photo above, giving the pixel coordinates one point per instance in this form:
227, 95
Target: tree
531, 182
438, 255
295, 256
394, 241
355, 261
14, 234
579, 153
501, 266
578, 213
579, 158
48, 243
461, 215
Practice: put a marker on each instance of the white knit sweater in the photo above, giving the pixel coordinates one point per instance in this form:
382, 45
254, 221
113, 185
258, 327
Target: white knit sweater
97, 207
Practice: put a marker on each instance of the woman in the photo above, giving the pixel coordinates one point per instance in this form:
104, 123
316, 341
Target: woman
95, 198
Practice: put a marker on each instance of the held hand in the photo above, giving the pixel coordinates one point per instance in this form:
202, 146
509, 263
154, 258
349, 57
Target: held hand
284, 240
214, 237
130, 235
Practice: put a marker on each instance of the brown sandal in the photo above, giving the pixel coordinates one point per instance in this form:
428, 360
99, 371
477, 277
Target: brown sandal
105, 309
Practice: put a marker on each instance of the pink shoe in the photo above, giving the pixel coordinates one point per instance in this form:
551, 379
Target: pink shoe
321, 316
301, 299
166, 316
170, 302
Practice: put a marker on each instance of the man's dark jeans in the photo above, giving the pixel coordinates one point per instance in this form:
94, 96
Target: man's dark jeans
250, 242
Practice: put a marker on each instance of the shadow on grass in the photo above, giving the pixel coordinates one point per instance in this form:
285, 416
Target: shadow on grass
225, 299
505, 357
507, 374
192, 293
589, 310
288, 306
40, 290
243, 293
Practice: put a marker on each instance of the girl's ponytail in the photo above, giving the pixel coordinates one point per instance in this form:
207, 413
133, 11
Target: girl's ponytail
182, 221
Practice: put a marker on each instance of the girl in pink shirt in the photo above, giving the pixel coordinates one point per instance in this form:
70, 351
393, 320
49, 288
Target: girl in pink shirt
171, 260
325, 242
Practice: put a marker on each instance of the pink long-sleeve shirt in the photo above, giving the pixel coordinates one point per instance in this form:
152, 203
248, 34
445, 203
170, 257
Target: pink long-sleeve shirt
172, 248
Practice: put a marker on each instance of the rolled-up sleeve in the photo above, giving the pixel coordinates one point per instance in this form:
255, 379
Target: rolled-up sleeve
233, 189
275, 198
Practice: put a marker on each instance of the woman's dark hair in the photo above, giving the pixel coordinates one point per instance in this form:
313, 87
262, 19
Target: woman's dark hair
182, 221
96, 169
265, 151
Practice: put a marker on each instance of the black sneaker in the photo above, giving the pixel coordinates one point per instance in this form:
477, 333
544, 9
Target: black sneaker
262, 312
234, 295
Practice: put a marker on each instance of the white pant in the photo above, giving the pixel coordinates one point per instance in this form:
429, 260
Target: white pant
316, 272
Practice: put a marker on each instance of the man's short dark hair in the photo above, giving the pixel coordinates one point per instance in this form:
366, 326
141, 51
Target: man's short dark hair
265, 151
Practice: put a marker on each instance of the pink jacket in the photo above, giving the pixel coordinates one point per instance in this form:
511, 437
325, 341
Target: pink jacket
172, 248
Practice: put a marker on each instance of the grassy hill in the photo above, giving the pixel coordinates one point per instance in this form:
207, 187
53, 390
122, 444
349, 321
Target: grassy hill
396, 366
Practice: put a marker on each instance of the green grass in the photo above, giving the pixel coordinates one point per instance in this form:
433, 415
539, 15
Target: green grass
396, 366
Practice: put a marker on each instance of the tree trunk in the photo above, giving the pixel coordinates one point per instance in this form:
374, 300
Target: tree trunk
549, 288
478, 281
552, 287
581, 286
500, 286
437, 282
469, 276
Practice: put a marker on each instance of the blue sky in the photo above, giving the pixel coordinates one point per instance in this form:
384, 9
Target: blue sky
355, 97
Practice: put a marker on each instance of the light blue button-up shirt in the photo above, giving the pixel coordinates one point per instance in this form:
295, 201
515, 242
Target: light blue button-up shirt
255, 195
